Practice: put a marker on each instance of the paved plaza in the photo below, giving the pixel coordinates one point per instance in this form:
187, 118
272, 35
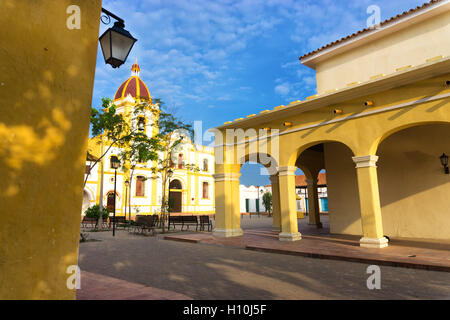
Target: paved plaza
214, 271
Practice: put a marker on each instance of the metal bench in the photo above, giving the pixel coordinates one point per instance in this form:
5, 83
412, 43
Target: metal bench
144, 224
205, 221
121, 221
183, 221
89, 222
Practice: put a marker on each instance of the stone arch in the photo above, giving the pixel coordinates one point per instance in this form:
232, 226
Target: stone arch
390, 132
295, 154
265, 159
175, 195
86, 201
342, 194
412, 182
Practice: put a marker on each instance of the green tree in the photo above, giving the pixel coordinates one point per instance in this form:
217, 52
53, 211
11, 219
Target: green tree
109, 126
171, 136
139, 148
267, 201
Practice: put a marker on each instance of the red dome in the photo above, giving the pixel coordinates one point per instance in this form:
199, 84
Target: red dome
134, 86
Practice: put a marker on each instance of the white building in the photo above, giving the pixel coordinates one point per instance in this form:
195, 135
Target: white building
251, 198
192, 191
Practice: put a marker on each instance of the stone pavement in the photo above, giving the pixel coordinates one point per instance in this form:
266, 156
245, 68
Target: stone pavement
211, 271
318, 243
95, 286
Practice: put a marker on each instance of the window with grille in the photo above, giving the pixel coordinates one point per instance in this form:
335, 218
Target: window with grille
140, 186
205, 190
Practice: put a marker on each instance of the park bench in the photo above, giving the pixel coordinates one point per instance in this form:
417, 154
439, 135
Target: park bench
156, 221
121, 222
89, 222
144, 224
183, 221
205, 221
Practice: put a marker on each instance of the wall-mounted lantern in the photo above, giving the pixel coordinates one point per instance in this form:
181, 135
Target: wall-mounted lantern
287, 124
338, 111
116, 42
368, 103
444, 162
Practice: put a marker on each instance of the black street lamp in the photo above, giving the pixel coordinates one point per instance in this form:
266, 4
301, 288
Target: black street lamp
444, 162
169, 174
115, 163
127, 183
116, 42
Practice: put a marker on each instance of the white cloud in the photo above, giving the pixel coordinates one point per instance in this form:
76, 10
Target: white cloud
283, 89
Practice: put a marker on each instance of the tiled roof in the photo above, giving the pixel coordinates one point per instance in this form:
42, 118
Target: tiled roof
390, 20
300, 181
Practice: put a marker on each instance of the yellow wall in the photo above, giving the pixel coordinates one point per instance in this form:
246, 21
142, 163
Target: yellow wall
410, 46
45, 97
343, 198
414, 191
413, 187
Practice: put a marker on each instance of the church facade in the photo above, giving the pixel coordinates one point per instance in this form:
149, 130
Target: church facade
192, 192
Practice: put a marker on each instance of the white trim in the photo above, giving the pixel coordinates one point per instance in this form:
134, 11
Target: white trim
286, 171
288, 236
228, 176
228, 232
373, 242
352, 116
365, 161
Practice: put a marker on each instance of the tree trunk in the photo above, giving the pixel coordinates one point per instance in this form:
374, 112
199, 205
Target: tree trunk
129, 195
100, 218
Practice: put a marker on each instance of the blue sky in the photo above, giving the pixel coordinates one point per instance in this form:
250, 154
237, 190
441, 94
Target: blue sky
219, 60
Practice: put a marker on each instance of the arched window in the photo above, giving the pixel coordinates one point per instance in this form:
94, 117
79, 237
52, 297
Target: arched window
205, 190
140, 186
205, 164
180, 161
141, 124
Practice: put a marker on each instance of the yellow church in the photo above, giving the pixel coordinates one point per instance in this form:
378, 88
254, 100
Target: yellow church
379, 125
192, 192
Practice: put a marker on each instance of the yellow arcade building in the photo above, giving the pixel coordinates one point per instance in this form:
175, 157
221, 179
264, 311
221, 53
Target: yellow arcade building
191, 191
379, 125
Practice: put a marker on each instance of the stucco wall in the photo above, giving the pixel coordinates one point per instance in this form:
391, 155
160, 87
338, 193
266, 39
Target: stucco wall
343, 199
410, 46
414, 191
47, 75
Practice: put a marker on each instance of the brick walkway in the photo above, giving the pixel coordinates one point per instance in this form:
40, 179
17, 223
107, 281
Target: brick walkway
99, 287
318, 244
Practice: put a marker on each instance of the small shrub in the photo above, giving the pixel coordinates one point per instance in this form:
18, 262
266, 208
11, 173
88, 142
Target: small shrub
94, 212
